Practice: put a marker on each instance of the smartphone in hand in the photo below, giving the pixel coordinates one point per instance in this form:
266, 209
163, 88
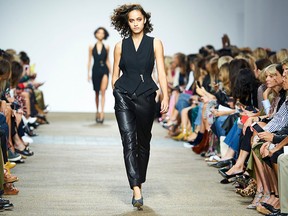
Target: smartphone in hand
257, 128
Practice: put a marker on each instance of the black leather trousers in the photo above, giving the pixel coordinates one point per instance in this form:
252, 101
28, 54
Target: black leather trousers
135, 116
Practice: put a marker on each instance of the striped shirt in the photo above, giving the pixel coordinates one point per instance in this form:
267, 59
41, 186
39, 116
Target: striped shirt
279, 120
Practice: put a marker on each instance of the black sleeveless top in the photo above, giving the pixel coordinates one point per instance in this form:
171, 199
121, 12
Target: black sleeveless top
137, 67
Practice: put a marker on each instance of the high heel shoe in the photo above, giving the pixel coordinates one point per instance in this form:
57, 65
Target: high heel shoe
204, 143
137, 203
242, 180
43, 118
256, 201
97, 117
225, 175
270, 207
250, 190
101, 121
100, 118
169, 125
224, 163
28, 131
181, 136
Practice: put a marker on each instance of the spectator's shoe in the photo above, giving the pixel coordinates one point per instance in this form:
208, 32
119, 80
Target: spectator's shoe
224, 163
5, 204
25, 152
20, 161
31, 120
9, 165
256, 201
42, 119
47, 108
10, 189
270, 207
27, 139
250, 190
169, 125
8, 206
8, 178
33, 126
243, 180
198, 139
181, 136
203, 145
212, 160
277, 214
225, 175
13, 157
263, 210
4, 201
187, 145
29, 132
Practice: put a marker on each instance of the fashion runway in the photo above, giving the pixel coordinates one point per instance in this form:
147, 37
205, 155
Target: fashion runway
78, 169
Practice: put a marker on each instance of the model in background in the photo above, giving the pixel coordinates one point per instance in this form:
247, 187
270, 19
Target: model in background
100, 69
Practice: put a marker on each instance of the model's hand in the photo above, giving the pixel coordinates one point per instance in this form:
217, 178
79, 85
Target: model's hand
89, 78
164, 106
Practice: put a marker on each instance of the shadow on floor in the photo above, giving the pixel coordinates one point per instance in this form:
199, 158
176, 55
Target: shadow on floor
145, 211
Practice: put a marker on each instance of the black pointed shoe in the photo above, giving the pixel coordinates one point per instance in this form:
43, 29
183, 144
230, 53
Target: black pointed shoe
137, 203
224, 163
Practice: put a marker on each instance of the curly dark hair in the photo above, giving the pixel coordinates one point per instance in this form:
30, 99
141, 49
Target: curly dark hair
119, 19
106, 33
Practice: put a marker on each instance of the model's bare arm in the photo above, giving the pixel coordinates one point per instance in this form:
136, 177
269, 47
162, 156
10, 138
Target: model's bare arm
89, 62
159, 55
116, 69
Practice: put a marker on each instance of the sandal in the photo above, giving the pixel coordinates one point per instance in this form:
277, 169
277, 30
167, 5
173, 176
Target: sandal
256, 201
26, 151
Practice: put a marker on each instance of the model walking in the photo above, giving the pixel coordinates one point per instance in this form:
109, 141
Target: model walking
134, 91
100, 69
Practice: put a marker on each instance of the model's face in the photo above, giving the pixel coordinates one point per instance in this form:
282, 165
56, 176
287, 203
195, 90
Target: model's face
136, 21
273, 80
100, 34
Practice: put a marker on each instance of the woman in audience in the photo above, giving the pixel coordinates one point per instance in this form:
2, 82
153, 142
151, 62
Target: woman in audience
274, 82
5, 176
184, 100
267, 171
179, 83
259, 67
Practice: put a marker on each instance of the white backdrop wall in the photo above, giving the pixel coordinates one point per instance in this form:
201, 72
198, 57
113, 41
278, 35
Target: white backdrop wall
57, 33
